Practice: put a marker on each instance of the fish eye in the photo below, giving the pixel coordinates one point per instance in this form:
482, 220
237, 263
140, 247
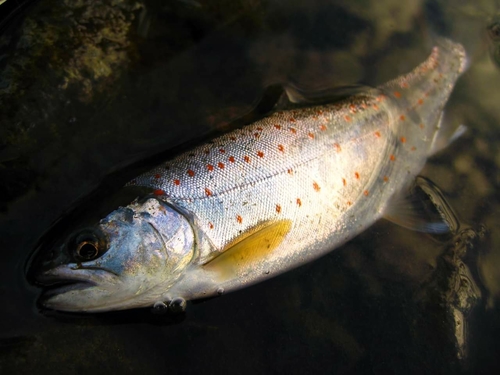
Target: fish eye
86, 246
87, 250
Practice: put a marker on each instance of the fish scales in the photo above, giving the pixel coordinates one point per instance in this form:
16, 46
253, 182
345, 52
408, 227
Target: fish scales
329, 169
310, 166
262, 199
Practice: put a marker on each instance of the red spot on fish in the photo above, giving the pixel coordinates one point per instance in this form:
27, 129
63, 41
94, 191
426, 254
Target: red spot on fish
347, 118
206, 152
319, 112
421, 126
356, 174
349, 203
413, 148
210, 167
299, 202
278, 208
397, 94
208, 192
158, 192
404, 85
221, 165
239, 219
281, 148
366, 193
293, 130
402, 117
337, 147
311, 135
344, 182
259, 128
190, 172
231, 159
210, 225
322, 128
352, 108
157, 176
402, 139
392, 157
292, 119
420, 101
386, 178
177, 182
256, 135
260, 154
290, 171
277, 127
222, 151
377, 134
375, 107
232, 138
316, 186
246, 158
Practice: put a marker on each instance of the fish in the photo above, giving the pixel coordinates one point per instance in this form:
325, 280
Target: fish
260, 200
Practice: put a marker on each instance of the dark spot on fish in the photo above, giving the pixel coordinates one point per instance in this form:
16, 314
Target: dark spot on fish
128, 215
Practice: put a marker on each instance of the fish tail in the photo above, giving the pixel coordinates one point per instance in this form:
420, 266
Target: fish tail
421, 95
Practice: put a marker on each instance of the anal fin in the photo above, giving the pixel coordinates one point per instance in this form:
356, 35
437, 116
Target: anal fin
424, 209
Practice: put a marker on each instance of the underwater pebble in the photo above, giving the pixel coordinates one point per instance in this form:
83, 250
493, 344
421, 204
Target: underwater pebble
464, 163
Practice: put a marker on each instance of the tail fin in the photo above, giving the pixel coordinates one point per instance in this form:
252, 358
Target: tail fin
422, 94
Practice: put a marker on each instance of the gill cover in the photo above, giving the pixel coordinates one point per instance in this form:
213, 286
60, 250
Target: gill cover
147, 246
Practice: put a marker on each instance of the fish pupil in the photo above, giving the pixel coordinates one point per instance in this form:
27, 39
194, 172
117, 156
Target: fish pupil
87, 245
87, 250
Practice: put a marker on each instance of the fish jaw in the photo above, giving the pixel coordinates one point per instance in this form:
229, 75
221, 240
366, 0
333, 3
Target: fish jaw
148, 246
73, 289
68, 284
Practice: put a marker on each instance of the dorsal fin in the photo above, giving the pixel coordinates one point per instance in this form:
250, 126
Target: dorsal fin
294, 97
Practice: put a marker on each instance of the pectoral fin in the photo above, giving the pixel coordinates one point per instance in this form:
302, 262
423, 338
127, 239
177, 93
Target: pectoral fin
250, 250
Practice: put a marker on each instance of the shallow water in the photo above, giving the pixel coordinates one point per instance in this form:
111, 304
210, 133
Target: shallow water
124, 86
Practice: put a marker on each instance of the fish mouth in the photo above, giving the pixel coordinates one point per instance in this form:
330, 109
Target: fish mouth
75, 287
63, 279
72, 277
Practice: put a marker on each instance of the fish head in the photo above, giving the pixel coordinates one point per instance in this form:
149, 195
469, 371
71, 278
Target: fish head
129, 259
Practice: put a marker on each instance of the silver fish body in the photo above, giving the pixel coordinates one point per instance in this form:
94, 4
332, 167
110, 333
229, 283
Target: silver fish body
275, 194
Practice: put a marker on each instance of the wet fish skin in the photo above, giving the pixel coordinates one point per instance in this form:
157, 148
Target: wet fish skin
273, 195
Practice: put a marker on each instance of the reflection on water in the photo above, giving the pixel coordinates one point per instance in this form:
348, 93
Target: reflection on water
93, 89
